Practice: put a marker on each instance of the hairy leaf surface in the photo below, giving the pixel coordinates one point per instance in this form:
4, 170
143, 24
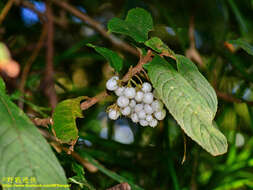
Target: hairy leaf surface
23, 151
64, 118
186, 105
137, 24
191, 73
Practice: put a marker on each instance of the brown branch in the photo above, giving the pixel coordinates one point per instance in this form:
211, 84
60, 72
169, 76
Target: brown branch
5, 10
91, 101
43, 122
90, 167
229, 98
192, 53
97, 26
29, 63
48, 82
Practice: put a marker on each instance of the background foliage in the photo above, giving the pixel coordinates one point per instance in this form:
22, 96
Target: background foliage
146, 158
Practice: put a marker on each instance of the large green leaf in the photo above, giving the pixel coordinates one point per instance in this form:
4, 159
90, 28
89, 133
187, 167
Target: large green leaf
191, 73
114, 59
23, 151
64, 118
244, 45
137, 25
186, 105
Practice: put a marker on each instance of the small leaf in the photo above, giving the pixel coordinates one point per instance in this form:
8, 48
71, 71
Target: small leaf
64, 118
157, 45
114, 59
191, 73
186, 105
2, 85
242, 44
24, 152
137, 24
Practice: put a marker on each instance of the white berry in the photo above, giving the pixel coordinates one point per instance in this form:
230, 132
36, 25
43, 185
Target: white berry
122, 101
142, 114
148, 98
160, 115
138, 108
132, 104
153, 123
126, 110
120, 91
134, 117
143, 123
113, 114
146, 87
157, 105
112, 83
139, 96
129, 92
148, 109
149, 118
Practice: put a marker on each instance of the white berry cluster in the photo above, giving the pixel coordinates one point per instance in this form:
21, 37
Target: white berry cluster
137, 103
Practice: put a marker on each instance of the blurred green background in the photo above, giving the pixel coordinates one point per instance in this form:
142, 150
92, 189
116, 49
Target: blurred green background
150, 158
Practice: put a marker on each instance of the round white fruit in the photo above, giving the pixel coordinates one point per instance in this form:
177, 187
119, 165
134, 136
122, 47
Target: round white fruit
146, 87
113, 114
153, 123
149, 118
112, 84
160, 115
120, 91
126, 111
129, 92
148, 109
142, 114
139, 96
138, 108
148, 98
122, 101
157, 105
134, 118
132, 104
143, 122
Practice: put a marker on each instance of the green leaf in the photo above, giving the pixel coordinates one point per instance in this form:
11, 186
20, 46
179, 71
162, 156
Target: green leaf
191, 73
114, 59
23, 151
242, 44
157, 45
2, 85
186, 105
137, 25
64, 118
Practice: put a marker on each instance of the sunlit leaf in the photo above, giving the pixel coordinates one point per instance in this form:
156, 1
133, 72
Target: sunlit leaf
137, 24
64, 118
24, 152
191, 73
186, 105
114, 59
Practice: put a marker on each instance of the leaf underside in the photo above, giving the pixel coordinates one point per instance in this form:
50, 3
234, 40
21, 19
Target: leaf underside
189, 108
64, 118
137, 25
23, 151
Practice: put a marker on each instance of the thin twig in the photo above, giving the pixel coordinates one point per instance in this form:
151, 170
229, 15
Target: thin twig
229, 98
5, 10
29, 63
48, 82
131, 72
90, 167
97, 26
